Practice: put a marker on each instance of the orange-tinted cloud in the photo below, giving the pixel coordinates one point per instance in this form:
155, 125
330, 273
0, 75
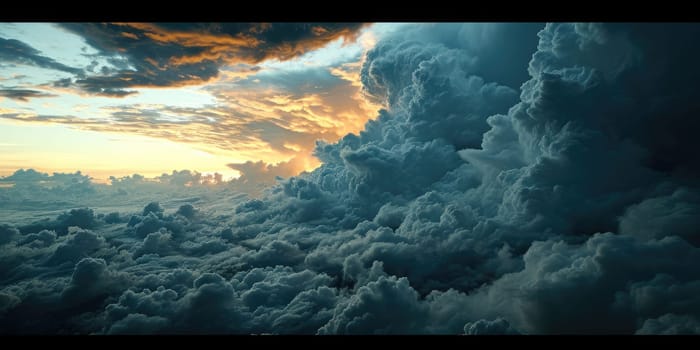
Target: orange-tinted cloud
167, 55
272, 112
256, 176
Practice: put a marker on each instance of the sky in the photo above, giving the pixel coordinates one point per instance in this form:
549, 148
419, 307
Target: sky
119, 99
461, 178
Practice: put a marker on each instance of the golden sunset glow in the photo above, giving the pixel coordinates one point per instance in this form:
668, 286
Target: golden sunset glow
213, 96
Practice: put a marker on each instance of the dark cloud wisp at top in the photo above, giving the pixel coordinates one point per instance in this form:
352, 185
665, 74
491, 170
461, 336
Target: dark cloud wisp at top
23, 94
164, 54
15, 51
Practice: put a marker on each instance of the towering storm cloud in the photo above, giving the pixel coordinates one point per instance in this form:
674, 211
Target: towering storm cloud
521, 179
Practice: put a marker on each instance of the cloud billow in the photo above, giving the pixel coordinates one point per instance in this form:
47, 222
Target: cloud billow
559, 198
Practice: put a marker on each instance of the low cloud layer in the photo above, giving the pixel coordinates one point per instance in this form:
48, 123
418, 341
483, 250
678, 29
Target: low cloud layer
491, 196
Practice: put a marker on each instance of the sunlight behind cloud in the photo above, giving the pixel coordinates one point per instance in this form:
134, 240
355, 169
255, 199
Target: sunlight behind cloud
272, 111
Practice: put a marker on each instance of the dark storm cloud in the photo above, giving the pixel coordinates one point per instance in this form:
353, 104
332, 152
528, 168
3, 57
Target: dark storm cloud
83, 217
671, 324
23, 94
81, 244
7, 233
602, 286
598, 105
494, 62
91, 278
167, 54
15, 51
466, 207
387, 305
674, 214
481, 327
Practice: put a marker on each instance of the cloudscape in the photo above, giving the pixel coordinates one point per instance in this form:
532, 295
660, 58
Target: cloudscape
369, 178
